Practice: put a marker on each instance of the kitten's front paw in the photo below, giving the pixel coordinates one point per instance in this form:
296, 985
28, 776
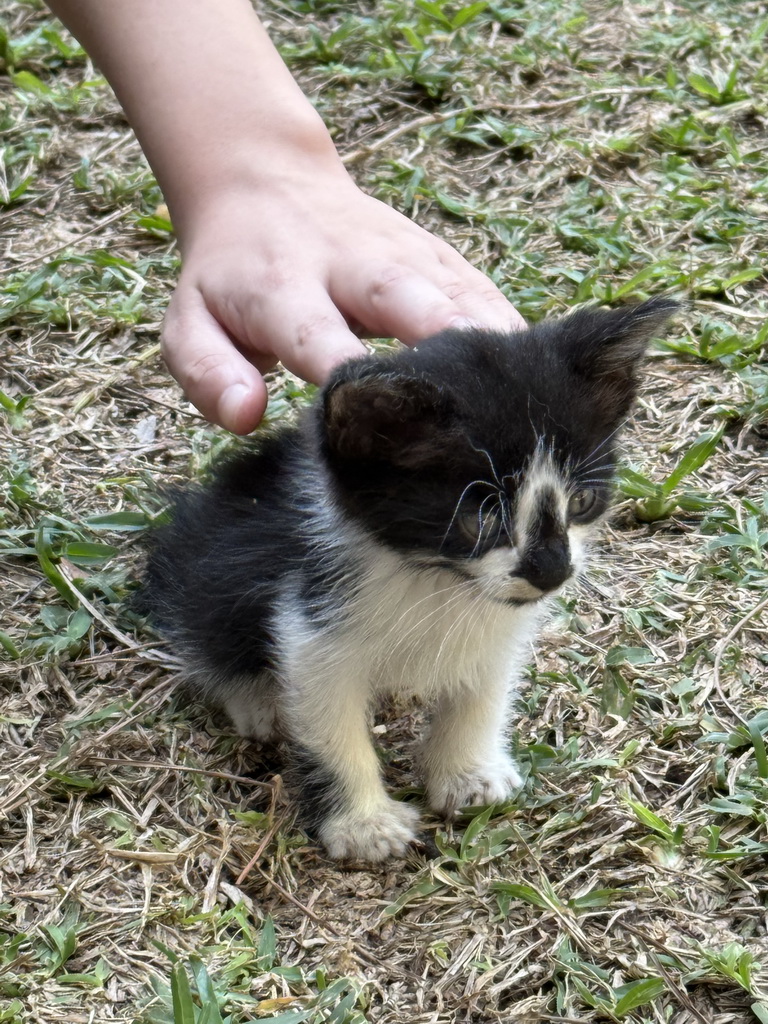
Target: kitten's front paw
385, 833
490, 783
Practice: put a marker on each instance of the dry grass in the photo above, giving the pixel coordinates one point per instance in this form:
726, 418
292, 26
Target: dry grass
565, 158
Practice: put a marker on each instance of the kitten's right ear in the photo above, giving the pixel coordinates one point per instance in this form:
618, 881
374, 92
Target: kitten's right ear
605, 341
605, 346
403, 420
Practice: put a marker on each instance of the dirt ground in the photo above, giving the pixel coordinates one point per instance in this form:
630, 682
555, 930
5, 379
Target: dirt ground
150, 866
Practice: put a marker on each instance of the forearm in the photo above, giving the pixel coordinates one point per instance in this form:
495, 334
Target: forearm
284, 257
209, 97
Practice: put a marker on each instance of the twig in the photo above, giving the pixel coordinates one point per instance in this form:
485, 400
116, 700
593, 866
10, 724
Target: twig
259, 850
41, 257
678, 989
277, 821
123, 638
138, 650
403, 129
721, 648
143, 357
165, 684
160, 766
359, 954
508, 108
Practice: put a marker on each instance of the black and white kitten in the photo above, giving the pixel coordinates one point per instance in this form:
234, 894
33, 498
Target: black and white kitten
401, 538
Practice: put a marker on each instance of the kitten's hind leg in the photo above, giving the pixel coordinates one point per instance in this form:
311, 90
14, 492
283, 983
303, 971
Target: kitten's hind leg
466, 761
343, 799
251, 703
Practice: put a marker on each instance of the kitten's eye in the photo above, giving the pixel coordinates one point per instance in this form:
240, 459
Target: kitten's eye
581, 503
470, 525
476, 526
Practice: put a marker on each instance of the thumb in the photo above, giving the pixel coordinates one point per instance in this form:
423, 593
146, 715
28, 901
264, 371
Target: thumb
215, 377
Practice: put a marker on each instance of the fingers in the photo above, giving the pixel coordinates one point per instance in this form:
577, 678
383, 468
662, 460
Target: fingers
304, 328
477, 296
393, 300
264, 296
396, 299
216, 378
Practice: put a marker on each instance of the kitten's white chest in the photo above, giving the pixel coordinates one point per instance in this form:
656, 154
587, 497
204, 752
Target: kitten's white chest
425, 632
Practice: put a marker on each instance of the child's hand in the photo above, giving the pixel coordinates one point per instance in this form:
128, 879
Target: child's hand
284, 257
295, 271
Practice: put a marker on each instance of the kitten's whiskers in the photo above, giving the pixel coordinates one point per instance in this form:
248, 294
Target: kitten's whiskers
592, 457
487, 454
457, 508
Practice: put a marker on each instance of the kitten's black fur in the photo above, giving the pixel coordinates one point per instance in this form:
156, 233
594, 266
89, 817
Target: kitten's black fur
452, 481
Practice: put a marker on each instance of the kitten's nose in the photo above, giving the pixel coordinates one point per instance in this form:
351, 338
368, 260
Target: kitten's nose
546, 567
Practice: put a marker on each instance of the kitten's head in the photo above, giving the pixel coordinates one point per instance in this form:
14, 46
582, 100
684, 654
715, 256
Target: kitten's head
486, 453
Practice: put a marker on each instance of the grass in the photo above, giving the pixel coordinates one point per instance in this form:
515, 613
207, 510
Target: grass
150, 867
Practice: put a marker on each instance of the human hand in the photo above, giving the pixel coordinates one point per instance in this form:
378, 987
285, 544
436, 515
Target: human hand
295, 269
284, 258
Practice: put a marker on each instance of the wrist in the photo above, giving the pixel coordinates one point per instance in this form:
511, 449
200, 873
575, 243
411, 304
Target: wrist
260, 169
206, 131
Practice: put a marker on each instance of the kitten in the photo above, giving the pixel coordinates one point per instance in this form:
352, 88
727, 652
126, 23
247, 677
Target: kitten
401, 538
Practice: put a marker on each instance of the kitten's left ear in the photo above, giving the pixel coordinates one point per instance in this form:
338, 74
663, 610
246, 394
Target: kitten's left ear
605, 346
386, 416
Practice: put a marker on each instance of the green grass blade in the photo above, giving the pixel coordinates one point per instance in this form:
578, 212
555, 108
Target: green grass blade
694, 458
44, 552
637, 993
759, 746
181, 994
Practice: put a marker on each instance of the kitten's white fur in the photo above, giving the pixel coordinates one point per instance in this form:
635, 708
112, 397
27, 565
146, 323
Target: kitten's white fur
410, 631
365, 573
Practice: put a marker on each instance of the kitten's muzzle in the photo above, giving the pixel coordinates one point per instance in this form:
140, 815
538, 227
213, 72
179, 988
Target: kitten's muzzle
546, 567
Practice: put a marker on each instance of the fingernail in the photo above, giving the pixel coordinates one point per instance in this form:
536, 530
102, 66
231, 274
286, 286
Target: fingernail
231, 403
463, 323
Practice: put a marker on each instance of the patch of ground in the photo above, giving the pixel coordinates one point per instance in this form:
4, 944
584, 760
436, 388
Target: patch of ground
149, 862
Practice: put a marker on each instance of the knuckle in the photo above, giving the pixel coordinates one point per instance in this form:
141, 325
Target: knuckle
313, 330
456, 290
203, 368
170, 330
277, 276
386, 279
448, 256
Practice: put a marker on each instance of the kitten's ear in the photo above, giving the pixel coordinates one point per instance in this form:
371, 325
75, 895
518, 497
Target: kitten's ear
605, 346
400, 419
